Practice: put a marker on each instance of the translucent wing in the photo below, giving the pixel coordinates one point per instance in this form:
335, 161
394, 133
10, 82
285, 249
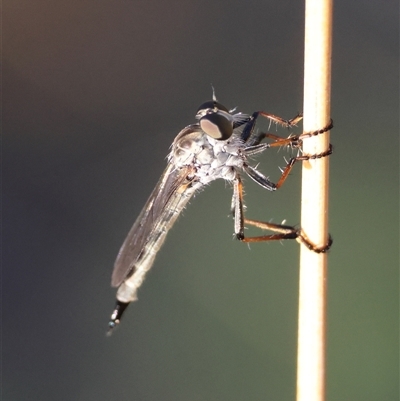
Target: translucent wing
161, 210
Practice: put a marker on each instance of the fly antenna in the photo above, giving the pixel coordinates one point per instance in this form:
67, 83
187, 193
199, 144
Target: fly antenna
213, 90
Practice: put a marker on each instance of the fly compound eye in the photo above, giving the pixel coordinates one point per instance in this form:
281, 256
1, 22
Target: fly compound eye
211, 105
204, 107
217, 125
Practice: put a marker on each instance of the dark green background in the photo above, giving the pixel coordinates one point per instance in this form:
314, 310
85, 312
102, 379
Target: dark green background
94, 93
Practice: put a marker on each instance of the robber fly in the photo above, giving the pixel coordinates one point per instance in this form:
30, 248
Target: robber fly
218, 145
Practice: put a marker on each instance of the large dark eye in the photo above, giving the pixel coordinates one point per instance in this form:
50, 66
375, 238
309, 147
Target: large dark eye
212, 104
217, 125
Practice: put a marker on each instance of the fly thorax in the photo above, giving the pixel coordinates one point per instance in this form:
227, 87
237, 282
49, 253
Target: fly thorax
205, 157
187, 146
227, 153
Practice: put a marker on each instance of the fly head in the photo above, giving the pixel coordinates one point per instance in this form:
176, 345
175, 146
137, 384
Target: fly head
215, 120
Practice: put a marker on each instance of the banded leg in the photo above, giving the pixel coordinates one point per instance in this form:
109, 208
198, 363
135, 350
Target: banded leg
295, 141
293, 160
285, 232
281, 231
292, 141
247, 134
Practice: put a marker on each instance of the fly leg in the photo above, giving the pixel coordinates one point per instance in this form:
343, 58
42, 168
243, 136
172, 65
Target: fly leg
292, 141
284, 232
280, 231
248, 131
293, 160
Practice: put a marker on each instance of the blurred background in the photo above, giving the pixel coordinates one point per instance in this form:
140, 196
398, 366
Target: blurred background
94, 93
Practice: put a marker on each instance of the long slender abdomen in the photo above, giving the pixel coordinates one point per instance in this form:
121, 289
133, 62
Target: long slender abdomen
127, 291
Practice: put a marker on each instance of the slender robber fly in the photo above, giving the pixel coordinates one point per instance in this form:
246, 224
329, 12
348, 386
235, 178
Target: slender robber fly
217, 146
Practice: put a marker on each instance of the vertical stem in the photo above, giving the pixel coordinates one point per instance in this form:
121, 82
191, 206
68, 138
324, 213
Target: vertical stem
314, 208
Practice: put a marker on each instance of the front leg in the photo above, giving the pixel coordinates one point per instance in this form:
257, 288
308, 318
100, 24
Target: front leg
252, 139
292, 141
295, 141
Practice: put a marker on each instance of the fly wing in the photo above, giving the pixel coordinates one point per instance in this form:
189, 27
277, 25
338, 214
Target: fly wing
152, 222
